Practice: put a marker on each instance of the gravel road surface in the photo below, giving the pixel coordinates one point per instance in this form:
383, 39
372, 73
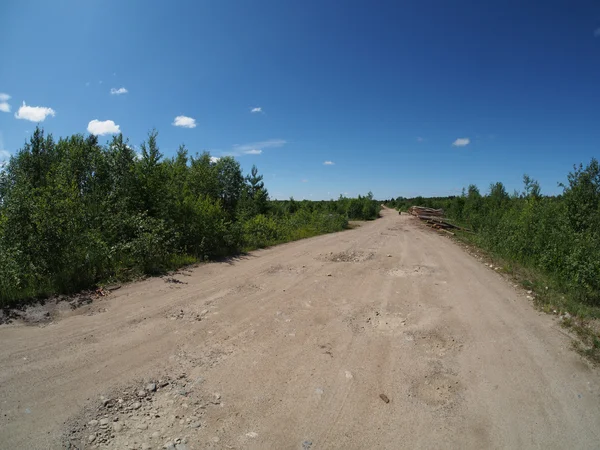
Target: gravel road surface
386, 336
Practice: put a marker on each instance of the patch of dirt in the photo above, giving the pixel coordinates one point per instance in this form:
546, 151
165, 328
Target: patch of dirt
434, 342
376, 321
45, 311
353, 256
281, 269
174, 280
165, 413
188, 314
384, 322
414, 271
438, 390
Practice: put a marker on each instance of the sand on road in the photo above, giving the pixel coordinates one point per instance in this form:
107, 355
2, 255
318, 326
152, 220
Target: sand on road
386, 336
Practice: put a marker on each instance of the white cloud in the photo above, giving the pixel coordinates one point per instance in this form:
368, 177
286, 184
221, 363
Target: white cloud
597, 32
461, 142
271, 143
254, 151
184, 122
214, 159
4, 106
257, 109
115, 91
100, 128
4, 154
34, 113
329, 163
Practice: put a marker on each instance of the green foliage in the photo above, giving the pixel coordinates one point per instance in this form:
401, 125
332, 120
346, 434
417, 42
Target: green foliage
361, 208
74, 213
560, 236
261, 231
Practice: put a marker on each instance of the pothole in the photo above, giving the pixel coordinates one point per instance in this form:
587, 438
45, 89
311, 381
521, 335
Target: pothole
352, 256
437, 390
433, 342
413, 271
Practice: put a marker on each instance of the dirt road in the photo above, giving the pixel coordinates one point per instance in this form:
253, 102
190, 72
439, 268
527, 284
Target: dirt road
387, 336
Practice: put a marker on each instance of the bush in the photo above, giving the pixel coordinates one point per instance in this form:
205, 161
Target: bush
74, 213
558, 235
261, 231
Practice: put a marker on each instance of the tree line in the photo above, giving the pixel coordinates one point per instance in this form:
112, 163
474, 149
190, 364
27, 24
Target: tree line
75, 213
557, 235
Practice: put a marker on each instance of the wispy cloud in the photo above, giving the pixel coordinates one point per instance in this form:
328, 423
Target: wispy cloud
34, 113
329, 163
271, 143
87, 83
304, 180
253, 148
461, 142
184, 122
420, 139
120, 91
597, 32
100, 128
4, 106
256, 109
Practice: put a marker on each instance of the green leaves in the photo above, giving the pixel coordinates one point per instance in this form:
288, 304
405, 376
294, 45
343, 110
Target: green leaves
557, 235
74, 213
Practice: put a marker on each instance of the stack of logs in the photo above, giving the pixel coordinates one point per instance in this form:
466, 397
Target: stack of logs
434, 218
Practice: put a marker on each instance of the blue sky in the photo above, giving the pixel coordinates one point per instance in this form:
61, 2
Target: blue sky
382, 90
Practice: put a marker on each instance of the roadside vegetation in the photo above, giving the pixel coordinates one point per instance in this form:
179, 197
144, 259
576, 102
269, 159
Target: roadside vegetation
75, 214
551, 244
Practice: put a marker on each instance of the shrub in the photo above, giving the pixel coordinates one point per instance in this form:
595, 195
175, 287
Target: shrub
74, 213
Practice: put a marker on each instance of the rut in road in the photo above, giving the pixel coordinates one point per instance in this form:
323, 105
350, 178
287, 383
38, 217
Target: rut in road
386, 336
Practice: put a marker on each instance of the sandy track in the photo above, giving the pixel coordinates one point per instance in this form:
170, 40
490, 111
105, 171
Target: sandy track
300, 340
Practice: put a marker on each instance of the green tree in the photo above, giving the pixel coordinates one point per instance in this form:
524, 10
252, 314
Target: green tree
230, 181
256, 195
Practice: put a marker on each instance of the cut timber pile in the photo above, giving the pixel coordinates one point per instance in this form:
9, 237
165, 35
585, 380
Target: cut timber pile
434, 218
423, 211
